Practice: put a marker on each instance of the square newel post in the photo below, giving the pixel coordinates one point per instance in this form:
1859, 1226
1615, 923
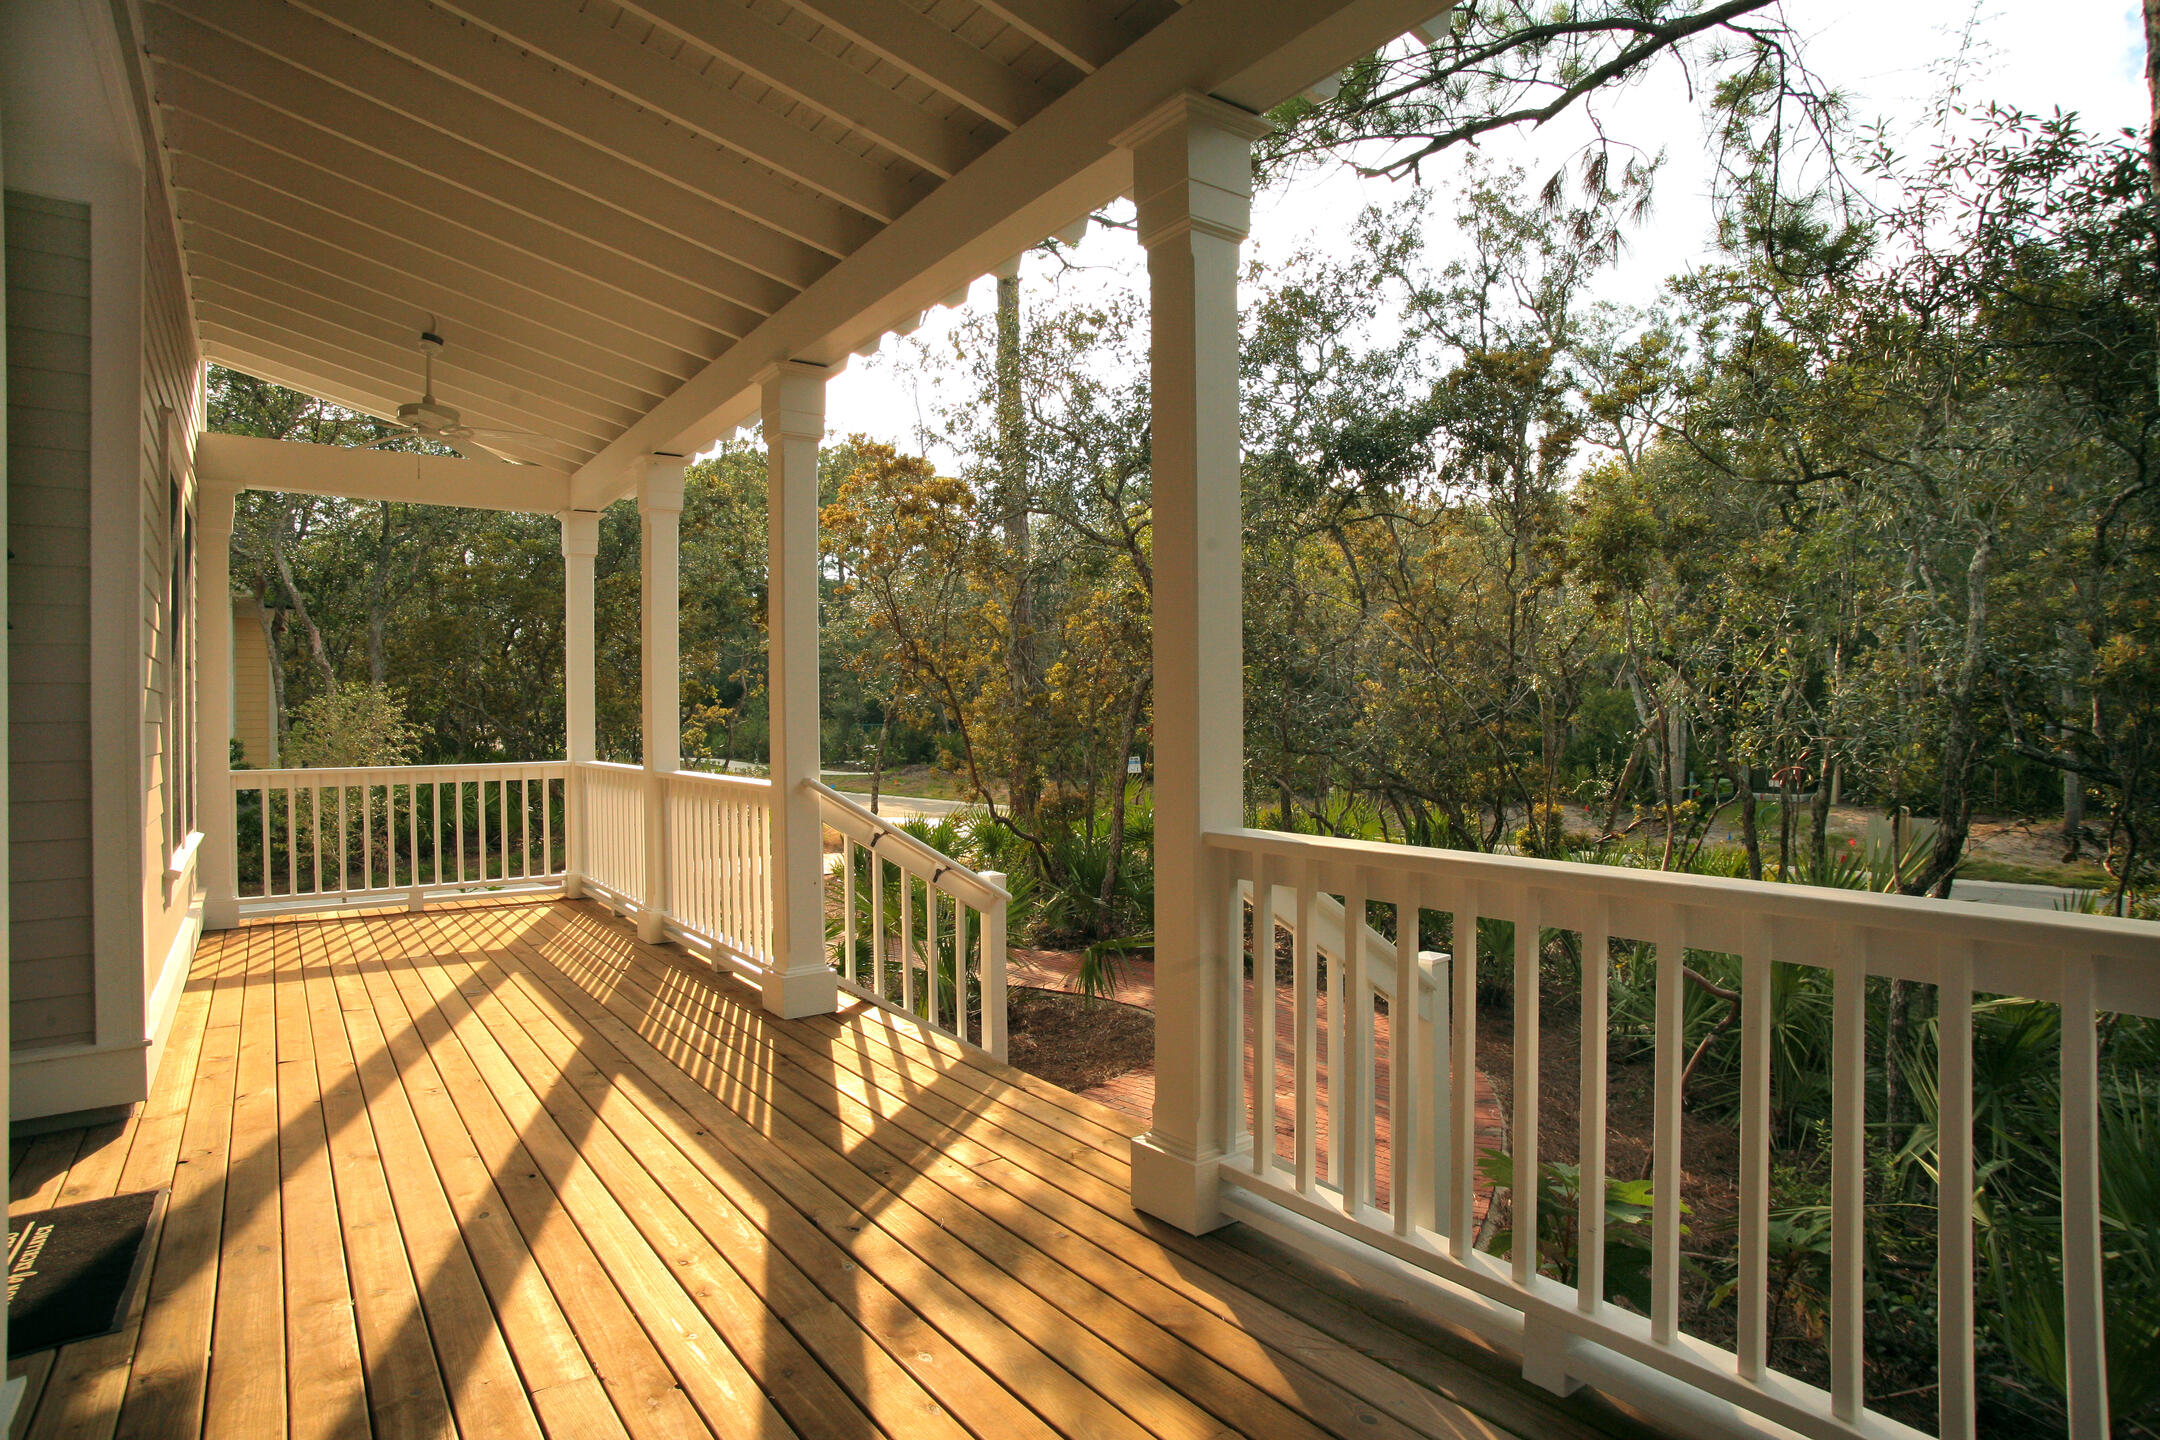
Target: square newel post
1192, 183
580, 544
660, 500
799, 982
213, 704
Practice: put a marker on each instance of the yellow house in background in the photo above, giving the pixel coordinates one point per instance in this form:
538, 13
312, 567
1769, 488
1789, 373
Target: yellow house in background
255, 721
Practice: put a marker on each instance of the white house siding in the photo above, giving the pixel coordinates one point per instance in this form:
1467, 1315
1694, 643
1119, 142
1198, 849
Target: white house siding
171, 416
51, 995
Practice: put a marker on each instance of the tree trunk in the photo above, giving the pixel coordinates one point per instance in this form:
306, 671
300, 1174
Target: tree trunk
877, 756
1819, 816
1954, 813
1021, 665
1119, 786
297, 602
1743, 776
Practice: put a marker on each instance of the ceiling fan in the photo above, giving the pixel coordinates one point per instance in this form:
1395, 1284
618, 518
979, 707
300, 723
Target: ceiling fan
429, 419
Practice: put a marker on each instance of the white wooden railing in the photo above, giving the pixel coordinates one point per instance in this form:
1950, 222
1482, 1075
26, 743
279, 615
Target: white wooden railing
320, 839
916, 932
919, 932
719, 850
1326, 1175
610, 828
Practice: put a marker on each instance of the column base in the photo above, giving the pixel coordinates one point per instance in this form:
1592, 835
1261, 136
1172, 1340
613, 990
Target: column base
1175, 1188
221, 912
573, 887
651, 926
799, 994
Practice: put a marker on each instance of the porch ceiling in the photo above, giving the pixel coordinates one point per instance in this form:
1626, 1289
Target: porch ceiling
619, 214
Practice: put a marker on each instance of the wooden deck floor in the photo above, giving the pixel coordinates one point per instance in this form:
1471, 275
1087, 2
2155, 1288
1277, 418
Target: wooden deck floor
504, 1171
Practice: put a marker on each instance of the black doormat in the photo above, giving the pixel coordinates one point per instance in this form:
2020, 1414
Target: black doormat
72, 1270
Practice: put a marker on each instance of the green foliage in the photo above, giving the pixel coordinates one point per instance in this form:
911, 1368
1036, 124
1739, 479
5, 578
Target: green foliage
352, 726
1559, 1198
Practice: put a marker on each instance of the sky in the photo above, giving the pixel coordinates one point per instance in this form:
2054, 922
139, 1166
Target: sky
1889, 57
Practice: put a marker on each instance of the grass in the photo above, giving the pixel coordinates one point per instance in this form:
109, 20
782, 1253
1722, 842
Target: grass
913, 782
2078, 876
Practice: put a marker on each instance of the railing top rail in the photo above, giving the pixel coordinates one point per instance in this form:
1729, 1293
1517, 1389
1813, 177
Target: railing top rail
864, 828
1978, 922
718, 780
328, 774
611, 766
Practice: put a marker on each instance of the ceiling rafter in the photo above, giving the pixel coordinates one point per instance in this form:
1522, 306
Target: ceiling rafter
476, 60
482, 371
934, 55
324, 232
225, 165
338, 384
399, 372
352, 308
584, 45
395, 186
377, 100
798, 68
1076, 31
446, 292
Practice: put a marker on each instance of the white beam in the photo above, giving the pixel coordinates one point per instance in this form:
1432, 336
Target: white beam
660, 500
1054, 167
800, 981
1192, 182
584, 45
795, 67
246, 462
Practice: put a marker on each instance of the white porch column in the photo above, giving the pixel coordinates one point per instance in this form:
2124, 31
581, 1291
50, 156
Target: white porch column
800, 982
660, 499
580, 543
213, 703
1192, 182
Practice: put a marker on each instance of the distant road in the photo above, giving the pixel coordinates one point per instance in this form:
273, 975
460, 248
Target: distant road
906, 807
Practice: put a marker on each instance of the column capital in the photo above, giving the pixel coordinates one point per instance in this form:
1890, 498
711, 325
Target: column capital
660, 486
791, 400
1192, 168
580, 532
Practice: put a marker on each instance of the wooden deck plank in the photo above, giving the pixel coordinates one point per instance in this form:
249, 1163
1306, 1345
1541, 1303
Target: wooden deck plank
247, 1337
1226, 1381
632, 1371
755, 1237
499, 1168
726, 1397
761, 1184
321, 1340
471, 1353
405, 1394
165, 1386
83, 1383
541, 1340
36, 1183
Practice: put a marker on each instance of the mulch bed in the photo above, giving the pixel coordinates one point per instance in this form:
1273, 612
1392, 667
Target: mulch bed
1076, 1042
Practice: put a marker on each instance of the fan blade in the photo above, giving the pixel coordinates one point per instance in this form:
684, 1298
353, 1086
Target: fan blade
388, 440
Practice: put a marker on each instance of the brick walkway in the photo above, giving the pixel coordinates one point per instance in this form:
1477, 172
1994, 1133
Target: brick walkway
1134, 1091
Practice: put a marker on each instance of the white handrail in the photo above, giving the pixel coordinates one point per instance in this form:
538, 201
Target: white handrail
918, 930
1423, 1212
